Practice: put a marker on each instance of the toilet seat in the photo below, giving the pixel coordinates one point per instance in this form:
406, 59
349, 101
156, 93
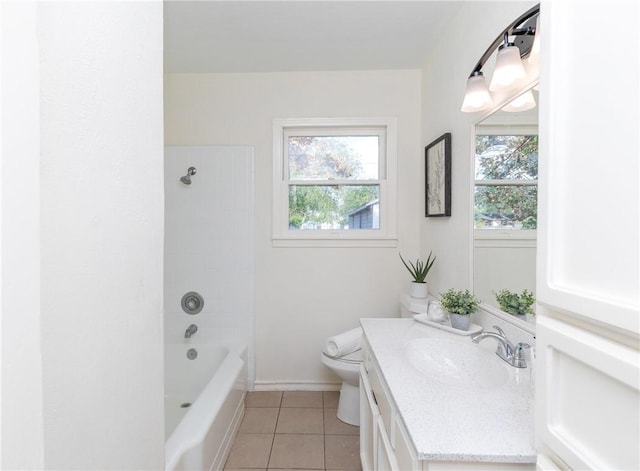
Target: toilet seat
352, 358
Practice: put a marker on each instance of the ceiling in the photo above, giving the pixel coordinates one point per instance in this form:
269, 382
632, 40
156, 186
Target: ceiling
272, 36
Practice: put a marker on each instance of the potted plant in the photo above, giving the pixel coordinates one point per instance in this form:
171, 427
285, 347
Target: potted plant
419, 272
514, 303
459, 304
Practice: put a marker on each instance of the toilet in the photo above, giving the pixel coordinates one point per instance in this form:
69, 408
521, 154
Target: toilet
411, 306
347, 367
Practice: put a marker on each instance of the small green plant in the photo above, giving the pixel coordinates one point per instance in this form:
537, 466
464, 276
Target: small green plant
514, 303
459, 302
420, 269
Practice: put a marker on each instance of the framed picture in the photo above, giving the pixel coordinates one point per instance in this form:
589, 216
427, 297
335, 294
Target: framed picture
438, 177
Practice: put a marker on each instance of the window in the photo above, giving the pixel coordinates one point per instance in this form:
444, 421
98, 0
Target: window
506, 180
334, 182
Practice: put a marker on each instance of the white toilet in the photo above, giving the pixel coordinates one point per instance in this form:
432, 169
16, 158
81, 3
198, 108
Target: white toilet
347, 367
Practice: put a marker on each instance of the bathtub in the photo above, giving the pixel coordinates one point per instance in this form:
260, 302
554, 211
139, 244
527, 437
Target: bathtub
204, 403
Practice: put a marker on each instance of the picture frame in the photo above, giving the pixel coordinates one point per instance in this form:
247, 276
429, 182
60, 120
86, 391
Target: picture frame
437, 157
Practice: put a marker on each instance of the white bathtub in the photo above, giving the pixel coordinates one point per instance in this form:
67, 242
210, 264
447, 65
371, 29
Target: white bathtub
199, 437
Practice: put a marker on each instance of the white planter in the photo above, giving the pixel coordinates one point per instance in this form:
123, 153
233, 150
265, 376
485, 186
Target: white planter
418, 290
460, 321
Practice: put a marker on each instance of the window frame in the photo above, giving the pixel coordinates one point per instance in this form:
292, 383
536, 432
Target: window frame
497, 234
385, 236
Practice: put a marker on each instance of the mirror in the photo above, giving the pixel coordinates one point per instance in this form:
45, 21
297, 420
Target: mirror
505, 203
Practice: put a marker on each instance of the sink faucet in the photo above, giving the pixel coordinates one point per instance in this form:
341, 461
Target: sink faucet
514, 355
192, 329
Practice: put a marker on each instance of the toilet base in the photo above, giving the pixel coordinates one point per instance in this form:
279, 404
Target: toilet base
349, 404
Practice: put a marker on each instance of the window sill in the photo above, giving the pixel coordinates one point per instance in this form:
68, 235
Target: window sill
319, 242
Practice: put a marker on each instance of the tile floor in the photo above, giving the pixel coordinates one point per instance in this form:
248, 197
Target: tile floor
294, 430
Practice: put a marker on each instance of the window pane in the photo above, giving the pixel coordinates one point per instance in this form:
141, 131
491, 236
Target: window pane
506, 207
333, 157
505, 157
331, 207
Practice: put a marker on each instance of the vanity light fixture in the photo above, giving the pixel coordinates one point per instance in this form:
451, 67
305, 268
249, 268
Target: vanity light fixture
518, 40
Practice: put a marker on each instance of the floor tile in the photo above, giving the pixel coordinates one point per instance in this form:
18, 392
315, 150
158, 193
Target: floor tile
250, 451
331, 399
342, 452
300, 420
259, 420
302, 399
263, 399
297, 452
335, 426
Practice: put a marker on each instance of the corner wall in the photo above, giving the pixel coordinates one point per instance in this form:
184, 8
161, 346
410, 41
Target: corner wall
304, 295
82, 223
444, 79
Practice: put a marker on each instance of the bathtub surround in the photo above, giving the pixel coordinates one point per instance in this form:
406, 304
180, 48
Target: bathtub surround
209, 244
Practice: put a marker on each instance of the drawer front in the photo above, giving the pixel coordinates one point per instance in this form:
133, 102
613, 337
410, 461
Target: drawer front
368, 423
386, 460
381, 398
406, 456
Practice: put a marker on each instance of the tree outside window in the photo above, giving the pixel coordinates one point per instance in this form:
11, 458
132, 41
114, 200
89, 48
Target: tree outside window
506, 181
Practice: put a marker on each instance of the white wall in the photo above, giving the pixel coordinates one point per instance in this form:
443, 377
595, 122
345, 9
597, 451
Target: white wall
92, 206
444, 79
304, 295
22, 434
209, 243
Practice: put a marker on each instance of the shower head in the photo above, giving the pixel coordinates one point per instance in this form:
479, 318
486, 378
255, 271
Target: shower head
187, 178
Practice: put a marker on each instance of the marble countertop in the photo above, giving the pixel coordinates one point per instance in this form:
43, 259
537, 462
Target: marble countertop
448, 422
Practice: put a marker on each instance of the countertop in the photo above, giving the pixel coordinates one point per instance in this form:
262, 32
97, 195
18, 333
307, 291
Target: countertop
447, 422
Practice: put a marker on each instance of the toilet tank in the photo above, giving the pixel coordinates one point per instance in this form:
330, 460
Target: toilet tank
410, 306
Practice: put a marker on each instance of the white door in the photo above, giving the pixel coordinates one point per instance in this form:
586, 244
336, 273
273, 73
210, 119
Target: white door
587, 374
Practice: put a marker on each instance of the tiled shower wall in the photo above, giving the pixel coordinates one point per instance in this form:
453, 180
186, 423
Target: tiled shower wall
209, 243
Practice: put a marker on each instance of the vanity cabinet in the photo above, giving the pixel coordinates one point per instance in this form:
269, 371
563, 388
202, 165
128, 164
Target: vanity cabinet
385, 442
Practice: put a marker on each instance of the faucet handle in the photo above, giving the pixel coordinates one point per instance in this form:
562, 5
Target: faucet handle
500, 331
518, 355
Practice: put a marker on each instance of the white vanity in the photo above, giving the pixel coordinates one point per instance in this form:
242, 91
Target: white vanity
474, 413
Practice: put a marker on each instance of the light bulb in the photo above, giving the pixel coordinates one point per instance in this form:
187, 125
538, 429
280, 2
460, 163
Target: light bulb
523, 102
476, 97
508, 69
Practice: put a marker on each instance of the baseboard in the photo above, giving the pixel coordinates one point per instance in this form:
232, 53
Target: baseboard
295, 386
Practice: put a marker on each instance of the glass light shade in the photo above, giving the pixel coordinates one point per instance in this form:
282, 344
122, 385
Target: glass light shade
523, 102
477, 96
509, 69
534, 55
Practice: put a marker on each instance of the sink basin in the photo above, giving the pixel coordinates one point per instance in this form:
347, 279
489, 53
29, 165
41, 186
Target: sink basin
457, 363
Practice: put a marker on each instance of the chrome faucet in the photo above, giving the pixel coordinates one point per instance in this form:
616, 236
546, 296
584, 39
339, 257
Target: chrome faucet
192, 329
514, 355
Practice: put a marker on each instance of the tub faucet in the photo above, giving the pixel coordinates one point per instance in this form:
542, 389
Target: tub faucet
192, 329
514, 355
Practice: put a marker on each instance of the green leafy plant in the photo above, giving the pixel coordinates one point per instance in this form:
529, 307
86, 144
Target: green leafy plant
459, 302
420, 269
514, 303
